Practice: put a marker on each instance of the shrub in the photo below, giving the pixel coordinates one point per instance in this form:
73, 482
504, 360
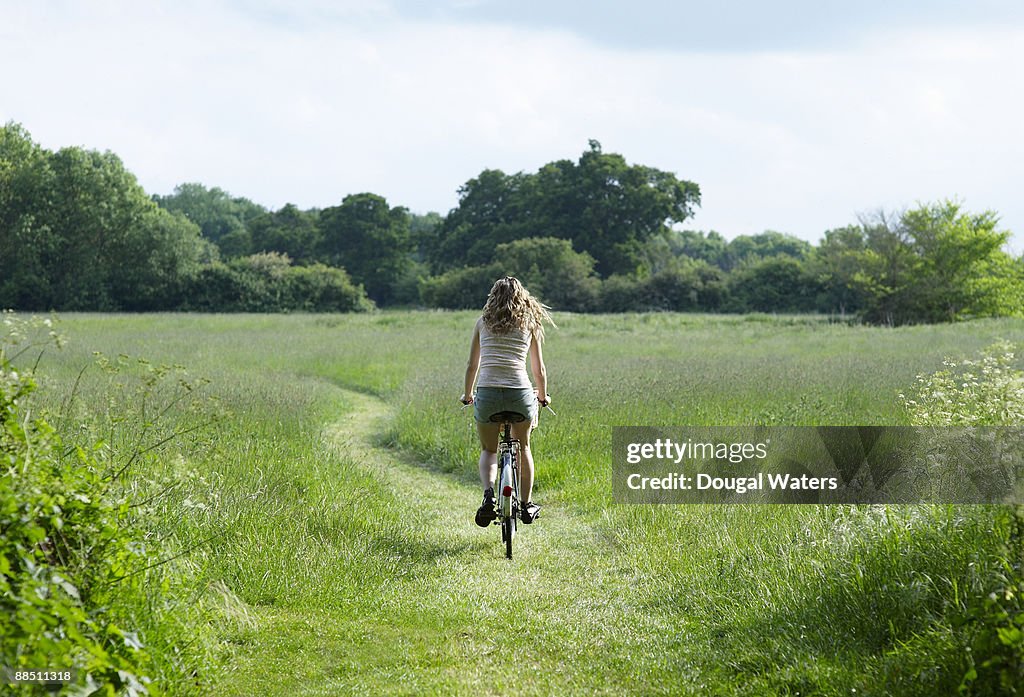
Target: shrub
557, 275
621, 294
985, 391
548, 267
321, 288
773, 284
89, 577
460, 289
65, 551
267, 282
686, 286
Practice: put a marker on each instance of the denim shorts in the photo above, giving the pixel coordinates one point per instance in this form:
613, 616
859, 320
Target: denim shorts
491, 400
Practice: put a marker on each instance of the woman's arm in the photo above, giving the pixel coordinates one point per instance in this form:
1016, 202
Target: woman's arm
540, 373
473, 365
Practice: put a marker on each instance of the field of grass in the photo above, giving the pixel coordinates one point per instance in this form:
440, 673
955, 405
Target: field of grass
325, 521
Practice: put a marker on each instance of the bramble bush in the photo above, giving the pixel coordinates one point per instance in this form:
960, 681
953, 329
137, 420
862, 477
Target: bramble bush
985, 391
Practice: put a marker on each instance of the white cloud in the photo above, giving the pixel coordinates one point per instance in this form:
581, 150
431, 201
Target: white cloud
350, 97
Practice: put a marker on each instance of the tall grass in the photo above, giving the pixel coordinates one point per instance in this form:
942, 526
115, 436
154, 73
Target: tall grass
290, 539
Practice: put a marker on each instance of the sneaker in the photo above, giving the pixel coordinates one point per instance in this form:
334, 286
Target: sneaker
486, 514
530, 512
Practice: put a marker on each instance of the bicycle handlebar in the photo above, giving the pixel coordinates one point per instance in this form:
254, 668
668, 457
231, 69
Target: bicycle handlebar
543, 402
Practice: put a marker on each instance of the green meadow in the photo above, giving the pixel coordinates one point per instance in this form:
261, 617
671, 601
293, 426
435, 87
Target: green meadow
310, 515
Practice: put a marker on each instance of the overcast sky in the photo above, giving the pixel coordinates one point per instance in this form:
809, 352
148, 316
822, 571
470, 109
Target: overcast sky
791, 116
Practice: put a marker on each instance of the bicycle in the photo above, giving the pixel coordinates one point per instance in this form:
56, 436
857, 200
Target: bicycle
506, 482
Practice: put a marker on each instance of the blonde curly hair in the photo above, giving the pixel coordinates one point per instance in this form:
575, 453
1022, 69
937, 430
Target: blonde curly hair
510, 306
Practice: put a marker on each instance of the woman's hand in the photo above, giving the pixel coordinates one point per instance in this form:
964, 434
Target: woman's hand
466, 400
543, 400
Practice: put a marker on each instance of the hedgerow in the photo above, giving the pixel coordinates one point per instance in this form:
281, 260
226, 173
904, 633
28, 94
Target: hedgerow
85, 583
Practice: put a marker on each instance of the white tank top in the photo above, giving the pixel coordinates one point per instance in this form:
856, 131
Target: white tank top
503, 358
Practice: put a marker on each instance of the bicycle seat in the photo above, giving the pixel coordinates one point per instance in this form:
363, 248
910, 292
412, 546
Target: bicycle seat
512, 417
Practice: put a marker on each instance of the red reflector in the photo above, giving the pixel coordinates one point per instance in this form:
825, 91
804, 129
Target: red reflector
507, 491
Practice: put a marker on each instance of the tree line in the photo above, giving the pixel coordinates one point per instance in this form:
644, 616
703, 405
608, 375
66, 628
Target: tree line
597, 234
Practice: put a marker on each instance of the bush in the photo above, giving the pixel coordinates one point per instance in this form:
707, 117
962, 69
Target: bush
773, 284
460, 289
268, 282
90, 577
321, 288
621, 294
687, 286
557, 275
986, 391
548, 267
66, 552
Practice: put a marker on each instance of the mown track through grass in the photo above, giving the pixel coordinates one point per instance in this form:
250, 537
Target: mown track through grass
463, 619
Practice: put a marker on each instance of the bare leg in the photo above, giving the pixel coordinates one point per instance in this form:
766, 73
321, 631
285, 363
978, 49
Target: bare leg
521, 432
488, 453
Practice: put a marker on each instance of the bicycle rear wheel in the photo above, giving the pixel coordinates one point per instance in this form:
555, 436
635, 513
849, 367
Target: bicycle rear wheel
508, 532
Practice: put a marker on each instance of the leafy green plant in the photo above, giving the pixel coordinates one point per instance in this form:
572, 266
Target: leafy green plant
996, 654
988, 390
92, 572
64, 544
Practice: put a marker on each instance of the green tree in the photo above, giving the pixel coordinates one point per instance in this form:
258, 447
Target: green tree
835, 263
485, 217
617, 207
79, 233
937, 263
886, 273
603, 205
710, 247
772, 284
552, 270
27, 237
961, 270
223, 218
749, 248
167, 252
288, 231
407, 287
423, 232
370, 240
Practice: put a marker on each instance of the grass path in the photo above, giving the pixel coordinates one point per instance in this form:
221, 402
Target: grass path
455, 616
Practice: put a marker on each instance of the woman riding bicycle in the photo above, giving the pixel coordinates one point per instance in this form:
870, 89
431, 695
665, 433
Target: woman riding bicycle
510, 328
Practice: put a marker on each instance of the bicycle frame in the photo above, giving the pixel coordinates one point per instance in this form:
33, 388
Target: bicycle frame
506, 484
